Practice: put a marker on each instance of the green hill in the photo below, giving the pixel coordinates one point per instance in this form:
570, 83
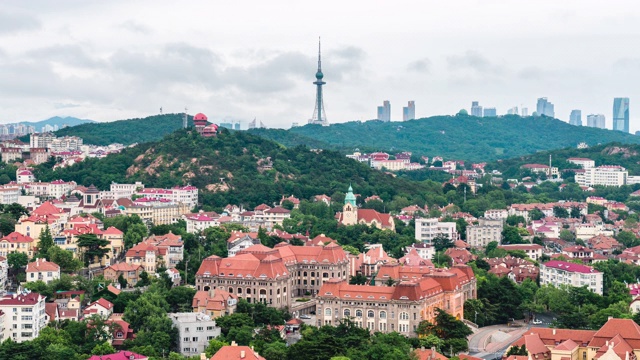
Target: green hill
126, 132
453, 137
242, 161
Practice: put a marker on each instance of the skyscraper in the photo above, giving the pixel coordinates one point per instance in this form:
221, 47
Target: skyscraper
513, 111
621, 114
544, 107
476, 110
575, 118
319, 116
490, 112
409, 111
384, 111
596, 121
525, 111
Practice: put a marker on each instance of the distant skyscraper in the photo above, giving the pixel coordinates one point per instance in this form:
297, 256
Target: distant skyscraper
409, 111
490, 112
596, 121
476, 110
513, 111
236, 126
621, 114
575, 118
319, 117
384, 111
525, 111
544, 107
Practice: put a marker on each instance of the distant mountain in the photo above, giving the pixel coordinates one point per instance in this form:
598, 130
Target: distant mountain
127, 132
57, 120
453, 137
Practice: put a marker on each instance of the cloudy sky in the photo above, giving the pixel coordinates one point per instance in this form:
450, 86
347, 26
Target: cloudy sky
236, 60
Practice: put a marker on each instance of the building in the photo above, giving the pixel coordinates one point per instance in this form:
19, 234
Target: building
200, 221
558, 273
214, 303
429, 228
100, 307
476, 110
409, 111
24, 316
16, 242
596, 121
157, 251
42, 270
319, 116
621, 114
195, 330
533, 251
41, 140
384, 111
513, 111
396, 308
120, 355
584, 163
545, 108
130, 272
239, 241
501, 214
617, 339
486, 231
235, 352
352, 215
9, 194
605, 175
274, 276
4, 275
490, 112
575, 118
541, 168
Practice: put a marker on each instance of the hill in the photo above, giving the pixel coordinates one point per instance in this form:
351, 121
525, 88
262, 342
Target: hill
128, 131
453, 137
57, 120
237, 167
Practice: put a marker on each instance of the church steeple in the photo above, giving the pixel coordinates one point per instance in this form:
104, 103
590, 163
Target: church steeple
350, 198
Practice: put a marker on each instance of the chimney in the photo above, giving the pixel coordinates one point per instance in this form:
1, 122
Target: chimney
554, 331
233, 343
242, 354
610, 317
203, 356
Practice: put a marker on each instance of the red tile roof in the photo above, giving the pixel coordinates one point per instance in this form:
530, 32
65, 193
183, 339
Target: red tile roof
120, 355
232, 352
42, 265
571, 267
16, 237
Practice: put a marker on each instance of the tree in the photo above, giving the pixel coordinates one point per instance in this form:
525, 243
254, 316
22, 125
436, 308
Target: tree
93, 247
46, 242
17, 260
559, 211
122, 281
358, 279
214, 346
7, 224
511, 235
64, 258
103, 349
517, 350
442, 242
567, 235
536, 214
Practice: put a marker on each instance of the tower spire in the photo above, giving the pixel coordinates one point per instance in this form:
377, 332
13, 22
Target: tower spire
319, 116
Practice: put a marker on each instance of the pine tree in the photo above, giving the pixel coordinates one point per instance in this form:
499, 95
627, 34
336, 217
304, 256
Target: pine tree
45, 243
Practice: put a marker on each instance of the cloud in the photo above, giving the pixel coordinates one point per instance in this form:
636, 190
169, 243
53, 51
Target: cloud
12, 23
343, 63
58, 105
420, 66
627, 63
70, 55
136, 27
474, 61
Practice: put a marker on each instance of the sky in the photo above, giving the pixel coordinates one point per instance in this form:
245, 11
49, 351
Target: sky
239, 60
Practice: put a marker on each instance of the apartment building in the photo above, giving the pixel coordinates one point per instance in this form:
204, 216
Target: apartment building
195, 330
24, 316
585, 163
533, 251
429, 228
558, 273
605, 175
486, 231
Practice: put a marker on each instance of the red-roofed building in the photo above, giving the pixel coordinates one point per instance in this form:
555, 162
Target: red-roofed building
29, 326
273, 276
428, 354
235, 352
42, 270
122, 331
100, 307
157, 251
558, 273
352, 215
130, 272
16, 242
215, 302
120, 355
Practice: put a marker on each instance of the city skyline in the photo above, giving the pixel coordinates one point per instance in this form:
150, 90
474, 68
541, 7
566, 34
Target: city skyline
105, 62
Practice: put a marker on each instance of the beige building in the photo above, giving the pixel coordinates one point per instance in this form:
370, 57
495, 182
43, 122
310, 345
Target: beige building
486, 231
352, 215
130, 272
42, 270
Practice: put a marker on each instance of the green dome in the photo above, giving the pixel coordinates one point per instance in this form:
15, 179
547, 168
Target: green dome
350, 198
319, 75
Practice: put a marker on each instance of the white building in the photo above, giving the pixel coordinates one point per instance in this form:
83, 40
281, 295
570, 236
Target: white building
533, 251
585, 163
558, 273
180, 194
121, 191
486, 231
429, 228
425, 251
9, 194
501, 214
200, 221
195, 330
24, 316
100, 307
42, 270
605, 175
4, 274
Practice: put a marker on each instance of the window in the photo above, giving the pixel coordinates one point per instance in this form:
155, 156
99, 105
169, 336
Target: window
327, 312
185, 339
383, 314
370, 314
404, 316
195, 339
199, 328
358, 313
347, 312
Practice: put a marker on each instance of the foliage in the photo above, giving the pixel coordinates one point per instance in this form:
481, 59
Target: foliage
92, 247
17, 260
45, 242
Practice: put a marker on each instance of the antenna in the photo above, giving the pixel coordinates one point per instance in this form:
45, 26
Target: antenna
184, 120
160, 110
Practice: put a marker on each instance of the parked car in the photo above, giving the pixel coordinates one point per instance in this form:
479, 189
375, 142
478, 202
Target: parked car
536, 322
307, 317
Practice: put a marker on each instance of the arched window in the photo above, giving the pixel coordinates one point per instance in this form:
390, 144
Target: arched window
327, 312
404, 316
383, 314
347, 312
230, 290
239, 290
313, 273
358, 313
370, 314
325, 275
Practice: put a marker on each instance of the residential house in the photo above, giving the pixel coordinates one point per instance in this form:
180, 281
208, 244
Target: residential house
120, 355
558, 273
42, 270
100, 307
214, 302
235, 352
195, 330
427, 229
122, 330
533, 251
16, 242
130, 272
239, 241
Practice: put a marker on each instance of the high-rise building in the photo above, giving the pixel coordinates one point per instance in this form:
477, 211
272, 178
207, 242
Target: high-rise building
575, 118
525, 111
513, 111
476, 109
596, 121
490, 112
544, 107
621, 114
319, 117
384, 111
409, 111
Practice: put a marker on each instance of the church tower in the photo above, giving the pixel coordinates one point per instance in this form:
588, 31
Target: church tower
350, 210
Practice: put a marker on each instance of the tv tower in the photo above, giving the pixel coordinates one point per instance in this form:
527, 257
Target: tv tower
184, 119
319, 117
